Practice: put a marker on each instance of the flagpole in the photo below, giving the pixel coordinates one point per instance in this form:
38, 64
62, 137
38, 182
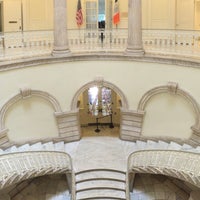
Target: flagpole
79, 31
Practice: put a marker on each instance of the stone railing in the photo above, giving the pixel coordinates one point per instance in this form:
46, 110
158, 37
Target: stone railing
17, 167
175, 42
178, 164
38, 43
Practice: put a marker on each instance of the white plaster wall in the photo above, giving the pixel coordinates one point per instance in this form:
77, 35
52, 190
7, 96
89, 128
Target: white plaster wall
63, 80
31, 118
157, 14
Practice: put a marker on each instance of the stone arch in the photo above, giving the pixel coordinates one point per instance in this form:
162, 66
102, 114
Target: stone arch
99, 82
173, 88
24, 93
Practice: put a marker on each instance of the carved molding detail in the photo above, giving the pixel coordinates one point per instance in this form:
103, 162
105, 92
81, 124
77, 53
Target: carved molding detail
131, 124
3, 137
17, 167
173, 88
23, 94
99, 81
182, 165
68, 125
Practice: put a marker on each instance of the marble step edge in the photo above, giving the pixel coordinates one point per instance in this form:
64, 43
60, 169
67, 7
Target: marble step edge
101, 183
90, 174
101, 192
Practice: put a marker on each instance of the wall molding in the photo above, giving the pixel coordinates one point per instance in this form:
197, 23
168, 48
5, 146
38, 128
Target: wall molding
24, 93
173, 88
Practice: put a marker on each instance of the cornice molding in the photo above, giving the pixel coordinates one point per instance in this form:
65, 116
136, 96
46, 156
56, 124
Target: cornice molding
174, 89
94, 56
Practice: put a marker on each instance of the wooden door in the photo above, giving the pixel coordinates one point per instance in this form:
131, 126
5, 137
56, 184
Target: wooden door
185, 14
12, 15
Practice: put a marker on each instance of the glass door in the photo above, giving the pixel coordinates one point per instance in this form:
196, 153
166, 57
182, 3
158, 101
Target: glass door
91, 14
101, 14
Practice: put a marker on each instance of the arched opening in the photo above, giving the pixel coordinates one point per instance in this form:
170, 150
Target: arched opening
99, 111
87, 119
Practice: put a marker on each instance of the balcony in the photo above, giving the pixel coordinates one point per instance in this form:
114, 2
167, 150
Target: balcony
28, 44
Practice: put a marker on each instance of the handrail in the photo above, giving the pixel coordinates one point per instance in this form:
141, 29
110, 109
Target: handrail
157, 41
178, 164
17, 167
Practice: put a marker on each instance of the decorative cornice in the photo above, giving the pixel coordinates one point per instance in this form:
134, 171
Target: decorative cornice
93, 56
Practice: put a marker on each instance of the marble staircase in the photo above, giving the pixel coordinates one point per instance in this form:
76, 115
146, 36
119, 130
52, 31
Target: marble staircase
100, 163
100, 184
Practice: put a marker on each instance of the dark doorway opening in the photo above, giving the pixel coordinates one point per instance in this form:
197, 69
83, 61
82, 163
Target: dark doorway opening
1, 16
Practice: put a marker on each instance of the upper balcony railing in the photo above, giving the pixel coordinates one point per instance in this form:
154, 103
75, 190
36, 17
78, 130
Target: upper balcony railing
26, 44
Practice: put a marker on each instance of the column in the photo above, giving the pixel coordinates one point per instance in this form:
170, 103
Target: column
134, 46
61, 47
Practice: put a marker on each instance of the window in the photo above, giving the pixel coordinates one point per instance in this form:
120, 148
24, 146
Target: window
91, 14
100, 101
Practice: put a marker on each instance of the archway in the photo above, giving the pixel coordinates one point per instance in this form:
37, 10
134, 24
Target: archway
100, 121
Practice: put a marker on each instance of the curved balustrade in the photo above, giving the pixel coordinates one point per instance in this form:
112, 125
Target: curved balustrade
177, 164
17, 167
37, 43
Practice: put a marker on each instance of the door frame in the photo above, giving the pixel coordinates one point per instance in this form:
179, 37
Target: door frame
1, 17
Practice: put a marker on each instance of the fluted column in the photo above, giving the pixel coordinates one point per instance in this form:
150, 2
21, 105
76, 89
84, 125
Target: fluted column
61, 47
134, 46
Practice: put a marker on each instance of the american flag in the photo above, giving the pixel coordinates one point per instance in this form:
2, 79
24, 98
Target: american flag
79, 14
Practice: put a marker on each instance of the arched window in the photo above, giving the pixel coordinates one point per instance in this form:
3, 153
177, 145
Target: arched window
100, 101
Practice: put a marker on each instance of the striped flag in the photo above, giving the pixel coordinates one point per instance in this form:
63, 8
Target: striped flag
79, 14
116, 17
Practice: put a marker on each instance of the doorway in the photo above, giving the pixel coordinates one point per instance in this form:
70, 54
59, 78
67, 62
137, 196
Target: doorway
99, 112
12, 16
98, 14
184, 15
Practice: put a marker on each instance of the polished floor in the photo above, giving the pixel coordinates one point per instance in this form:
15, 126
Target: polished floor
90, 131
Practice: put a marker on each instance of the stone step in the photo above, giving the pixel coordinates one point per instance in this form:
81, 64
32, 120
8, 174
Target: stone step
2, 151
174, 146
129, 147
186, 147
151, 145
12, 149
71, 148
110, 183
59, 146
25, 147
141, 145
37, 147
80, 176
49, 146
102, 193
